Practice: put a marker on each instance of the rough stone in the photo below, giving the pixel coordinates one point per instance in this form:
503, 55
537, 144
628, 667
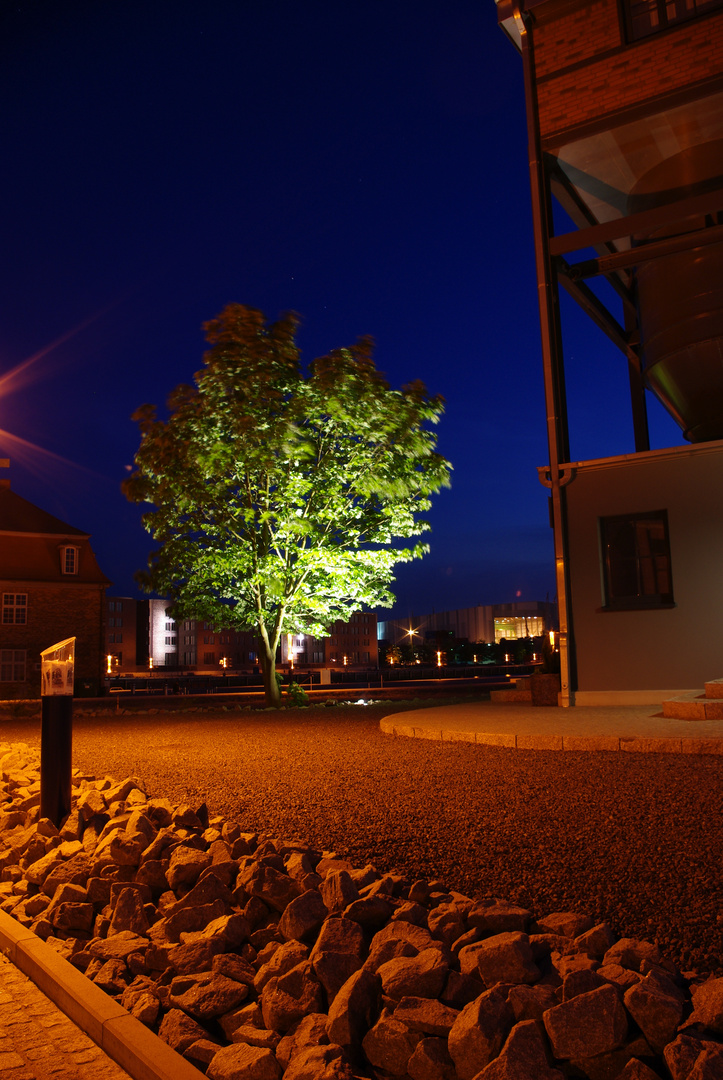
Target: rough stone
354, 1009
284, 958
630, 953
656, 1013
129, 913
389, 1045
180, 1031
479, 1032
506, 957
243, 1061
431, 1061
498, 917
206, 995
339, 951
523, 1056
708, 1005
185, 866
587, 1025
423, 975
319, 1063
303, 916
338, 890
426, 1015
596, 941
288, 998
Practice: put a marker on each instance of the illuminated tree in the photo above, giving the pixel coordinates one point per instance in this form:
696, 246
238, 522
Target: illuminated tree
278, 495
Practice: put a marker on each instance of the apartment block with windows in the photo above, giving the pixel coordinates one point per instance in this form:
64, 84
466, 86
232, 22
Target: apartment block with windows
351, 642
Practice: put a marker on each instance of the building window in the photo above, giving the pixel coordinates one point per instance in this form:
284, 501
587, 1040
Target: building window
15, 608
636, 560
12, 665
170, 659
69, 559
646, 17
118, 638
209, 658
170, 640
119, 607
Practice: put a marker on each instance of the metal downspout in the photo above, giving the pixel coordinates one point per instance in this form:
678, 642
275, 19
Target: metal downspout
554, 378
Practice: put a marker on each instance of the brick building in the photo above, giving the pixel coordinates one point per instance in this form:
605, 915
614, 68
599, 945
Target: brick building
52, 588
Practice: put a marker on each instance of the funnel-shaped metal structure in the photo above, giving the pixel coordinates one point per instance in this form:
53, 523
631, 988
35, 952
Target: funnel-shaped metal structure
680, 301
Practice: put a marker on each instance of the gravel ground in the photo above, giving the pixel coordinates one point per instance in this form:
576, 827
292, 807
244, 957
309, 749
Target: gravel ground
636, 839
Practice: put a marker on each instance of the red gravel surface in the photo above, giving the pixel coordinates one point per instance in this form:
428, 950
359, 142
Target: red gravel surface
636, 839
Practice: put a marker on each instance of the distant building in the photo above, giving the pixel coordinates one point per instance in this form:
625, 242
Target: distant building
482, 623
351, 642
52, 589
141, 631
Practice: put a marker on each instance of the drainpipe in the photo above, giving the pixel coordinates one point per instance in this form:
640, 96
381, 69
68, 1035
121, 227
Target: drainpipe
554, 477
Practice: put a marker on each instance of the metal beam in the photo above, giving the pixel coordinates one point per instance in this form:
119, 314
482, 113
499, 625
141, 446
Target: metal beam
656, 249
646, 221
595, 309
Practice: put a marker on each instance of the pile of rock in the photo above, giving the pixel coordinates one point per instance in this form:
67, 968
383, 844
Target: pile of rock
256, 958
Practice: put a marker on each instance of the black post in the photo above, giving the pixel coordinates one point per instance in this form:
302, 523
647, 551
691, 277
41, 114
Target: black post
56, 754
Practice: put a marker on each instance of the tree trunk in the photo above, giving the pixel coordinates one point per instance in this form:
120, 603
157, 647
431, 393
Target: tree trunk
272, 692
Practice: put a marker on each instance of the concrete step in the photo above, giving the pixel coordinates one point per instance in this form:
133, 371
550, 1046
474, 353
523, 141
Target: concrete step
512, 693
714, 688
693, 706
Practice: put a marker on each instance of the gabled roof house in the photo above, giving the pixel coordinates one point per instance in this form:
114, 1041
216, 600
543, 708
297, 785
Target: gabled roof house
51, 588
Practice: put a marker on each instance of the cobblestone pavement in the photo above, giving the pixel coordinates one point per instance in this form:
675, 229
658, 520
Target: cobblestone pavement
39, 1042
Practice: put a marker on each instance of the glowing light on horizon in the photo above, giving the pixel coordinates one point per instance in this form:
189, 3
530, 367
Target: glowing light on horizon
19, 377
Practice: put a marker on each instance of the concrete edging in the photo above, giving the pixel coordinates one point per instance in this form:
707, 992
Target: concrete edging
625, 744
121, 1036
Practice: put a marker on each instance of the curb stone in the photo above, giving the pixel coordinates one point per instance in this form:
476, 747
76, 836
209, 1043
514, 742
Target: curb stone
624, 744
123, 1038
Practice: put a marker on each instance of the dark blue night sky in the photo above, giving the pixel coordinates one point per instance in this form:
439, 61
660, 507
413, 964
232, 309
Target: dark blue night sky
360, 162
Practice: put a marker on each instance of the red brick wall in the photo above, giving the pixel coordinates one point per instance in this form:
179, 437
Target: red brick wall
56, 612
612, 75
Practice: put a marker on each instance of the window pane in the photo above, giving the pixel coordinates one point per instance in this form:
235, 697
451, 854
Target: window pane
636, 560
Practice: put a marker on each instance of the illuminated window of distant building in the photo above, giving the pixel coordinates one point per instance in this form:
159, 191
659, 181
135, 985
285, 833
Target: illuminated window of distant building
69, 559
15, 608
645, 17
12, 665
636, 560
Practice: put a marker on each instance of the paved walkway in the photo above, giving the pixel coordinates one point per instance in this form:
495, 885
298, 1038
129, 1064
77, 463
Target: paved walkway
39, 1042
641, 729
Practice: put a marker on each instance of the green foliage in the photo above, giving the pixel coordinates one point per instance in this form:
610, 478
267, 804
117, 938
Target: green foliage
279, 495
296, 694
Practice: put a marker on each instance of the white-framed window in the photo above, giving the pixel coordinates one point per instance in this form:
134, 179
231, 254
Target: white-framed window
12, 665
69, 559
15, 608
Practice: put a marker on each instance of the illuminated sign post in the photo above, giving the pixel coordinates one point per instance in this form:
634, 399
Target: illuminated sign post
57, 670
